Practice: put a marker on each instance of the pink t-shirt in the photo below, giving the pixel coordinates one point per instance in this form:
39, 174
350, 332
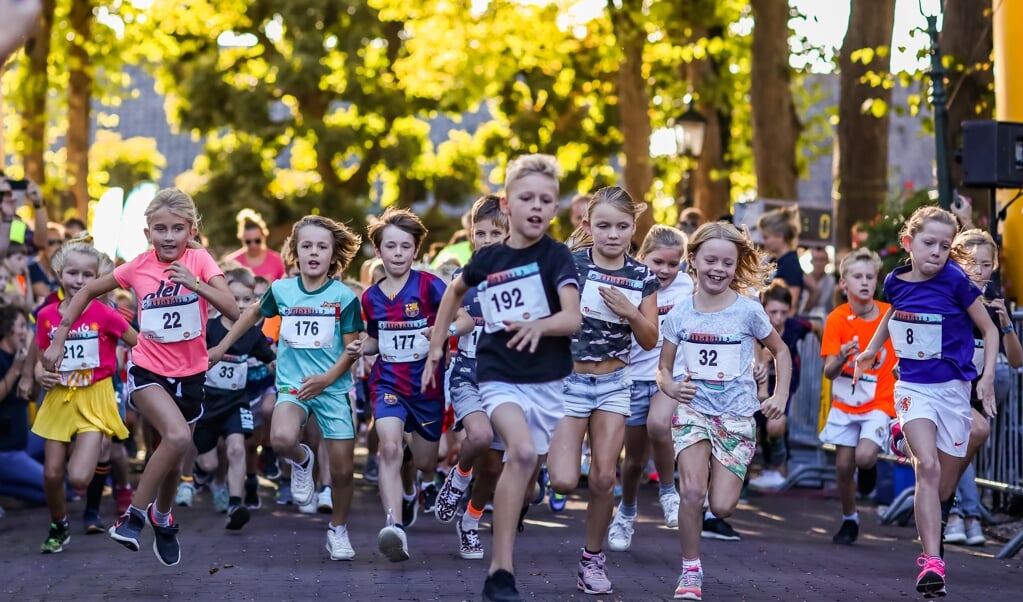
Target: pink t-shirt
272, 267
90, 351
172, 317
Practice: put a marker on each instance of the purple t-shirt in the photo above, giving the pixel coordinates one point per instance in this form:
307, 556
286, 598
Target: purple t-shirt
931, 331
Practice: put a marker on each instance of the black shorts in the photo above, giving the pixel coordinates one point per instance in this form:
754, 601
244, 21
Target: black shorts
186, 391
209, 430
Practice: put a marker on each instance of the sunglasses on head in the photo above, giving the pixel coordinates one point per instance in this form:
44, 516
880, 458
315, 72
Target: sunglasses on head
253, 241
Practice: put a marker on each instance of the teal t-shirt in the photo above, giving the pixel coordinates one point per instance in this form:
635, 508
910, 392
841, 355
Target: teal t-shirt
312, 323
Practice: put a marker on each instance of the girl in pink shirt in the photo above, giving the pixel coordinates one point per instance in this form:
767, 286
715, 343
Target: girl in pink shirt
174, 282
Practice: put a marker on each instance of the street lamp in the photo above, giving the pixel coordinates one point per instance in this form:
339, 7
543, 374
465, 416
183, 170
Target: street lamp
690, 128
939, 97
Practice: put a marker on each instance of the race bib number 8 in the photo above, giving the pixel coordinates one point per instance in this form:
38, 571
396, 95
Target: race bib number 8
513, 296
307, 329
916, 336
593, 305
712, 360
171, 319
403, 342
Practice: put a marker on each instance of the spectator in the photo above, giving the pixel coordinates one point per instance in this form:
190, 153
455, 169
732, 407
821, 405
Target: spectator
689, 220
73, 228
254, 254
12, 228
821, 302
44, 282
21, 475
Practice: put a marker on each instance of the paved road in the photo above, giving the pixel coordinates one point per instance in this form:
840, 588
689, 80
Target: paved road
785, 554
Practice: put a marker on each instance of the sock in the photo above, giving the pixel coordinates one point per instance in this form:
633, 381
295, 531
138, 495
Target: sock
337, 528
708, 515
460, 480
162, 519
61, 521
866, 480
688, 564
137, 511
666, 489
627, 510
471, 518
855, 517
408, 497
234, 500
946, 509
251, 478
94, 492
588, 554
186, 479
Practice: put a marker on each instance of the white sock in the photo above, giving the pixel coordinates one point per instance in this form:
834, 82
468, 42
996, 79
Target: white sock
854, 517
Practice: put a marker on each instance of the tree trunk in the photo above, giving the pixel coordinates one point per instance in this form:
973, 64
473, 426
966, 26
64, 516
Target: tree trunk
37, 83
776, 127
711, 187
79, 101
634, 109
862, 138
968, 43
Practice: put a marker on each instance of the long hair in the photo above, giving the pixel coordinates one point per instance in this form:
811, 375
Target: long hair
752, 268
176, 202
615, 196
346, 242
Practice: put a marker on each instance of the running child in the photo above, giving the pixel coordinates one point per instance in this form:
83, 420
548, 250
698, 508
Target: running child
174, 282
80, 401
934, 306
319, 316
479, 456
618, 302
649, 422
713, 427
530, 305
857, 424
400, 311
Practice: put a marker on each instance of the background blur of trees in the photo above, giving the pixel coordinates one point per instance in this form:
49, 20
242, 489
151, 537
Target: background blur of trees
311, 106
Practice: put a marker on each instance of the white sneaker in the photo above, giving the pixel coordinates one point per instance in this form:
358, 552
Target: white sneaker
619, 534
338, 544
393, 543
975, 533
769, 479
324, 502
310, 508
185, 494
221, 497
955, 531
669, 504
302, 487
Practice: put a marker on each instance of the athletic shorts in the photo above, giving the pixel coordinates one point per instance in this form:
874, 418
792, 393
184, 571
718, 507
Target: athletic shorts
333, 414
847, 429
946, 404
417, 412
733, 439
640, 394
587, 393
208, 430
542, 403
186, 391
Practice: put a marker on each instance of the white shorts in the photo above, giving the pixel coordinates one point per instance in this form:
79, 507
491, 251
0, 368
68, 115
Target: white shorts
845, 429
542, 403
945, 404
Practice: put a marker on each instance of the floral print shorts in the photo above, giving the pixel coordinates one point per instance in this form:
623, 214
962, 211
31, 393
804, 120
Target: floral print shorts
732, 438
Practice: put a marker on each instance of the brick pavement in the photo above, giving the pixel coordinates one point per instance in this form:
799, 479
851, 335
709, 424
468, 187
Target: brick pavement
786, 554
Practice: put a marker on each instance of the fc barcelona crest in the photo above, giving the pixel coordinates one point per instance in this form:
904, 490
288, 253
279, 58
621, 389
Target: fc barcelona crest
412, 309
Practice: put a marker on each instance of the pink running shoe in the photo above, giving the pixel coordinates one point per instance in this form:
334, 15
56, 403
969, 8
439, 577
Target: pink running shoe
931, 580
898, 440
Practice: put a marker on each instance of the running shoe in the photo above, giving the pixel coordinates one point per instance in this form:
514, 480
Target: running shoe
592, 576
717, 528
185, 494
669, 505
769, 480
557, 501
469, 545
429, 497
311, 508
271, 468
338, 544
931, 580
284, 496
409, 511
252, 501
165, 540
302, 487
847, 533
500, 587
127, 531
60, 534
541, 485
619, 534
955, 532
237, 516
447, 499
325, 500
393, 543
975, 533
690, 585
200, 477
898, 439
371, 471
122, 495
221, 497
93, 523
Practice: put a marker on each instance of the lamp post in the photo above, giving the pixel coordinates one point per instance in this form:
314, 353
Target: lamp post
690, 128
939, 97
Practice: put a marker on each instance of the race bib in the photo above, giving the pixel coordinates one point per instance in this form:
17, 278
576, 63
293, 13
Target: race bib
308, 328
229, 374
467, 342
402, 342
593, 305
843, 390
81, 357
916, 336
709, 358
978, 355
171, 319
515, 295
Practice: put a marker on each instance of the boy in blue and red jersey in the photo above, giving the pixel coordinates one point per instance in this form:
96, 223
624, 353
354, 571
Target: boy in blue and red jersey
400, 311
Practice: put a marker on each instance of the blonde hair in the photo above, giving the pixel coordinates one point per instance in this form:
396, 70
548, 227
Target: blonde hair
176, 202
524, 165
860, 254
662, 237
81, 245
346, 242
929, 213
783, 222
402, 219
249, 219
615, 196
966, 241
752, 268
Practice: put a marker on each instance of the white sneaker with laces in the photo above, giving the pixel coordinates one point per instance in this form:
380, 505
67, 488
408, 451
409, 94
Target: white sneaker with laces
185, 494
309, 508
393, 543
769, 479
302, 487
975, 533
669, 504
955, 531
338, 544
619, 534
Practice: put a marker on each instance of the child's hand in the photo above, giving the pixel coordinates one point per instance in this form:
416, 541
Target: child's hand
433, 359
849, 349
682, 391
312, 386
618, 302
760, 372
1003, 316
774, 407
864, 362
52, 357
216, 354
179, 274
47, 380
527, 335
427, 332
354, 349
986, 394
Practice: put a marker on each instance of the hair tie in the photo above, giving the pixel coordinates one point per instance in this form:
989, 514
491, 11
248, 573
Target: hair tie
83, 237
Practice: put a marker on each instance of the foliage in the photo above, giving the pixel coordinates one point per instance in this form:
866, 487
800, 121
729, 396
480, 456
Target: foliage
116, 162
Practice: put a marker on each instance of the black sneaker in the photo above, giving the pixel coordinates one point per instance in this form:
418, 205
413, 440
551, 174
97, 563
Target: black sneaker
93, 523
522, 519
271, 467
847, 533
165, 540
409, 511
252, 501
717, 528
237, 516
127, 531
500, 587
429, 497
60, 534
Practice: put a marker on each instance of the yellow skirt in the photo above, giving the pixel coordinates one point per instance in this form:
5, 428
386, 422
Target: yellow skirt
69, 410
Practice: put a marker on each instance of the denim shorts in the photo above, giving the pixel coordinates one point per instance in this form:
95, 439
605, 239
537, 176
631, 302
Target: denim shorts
610, 392
642, 392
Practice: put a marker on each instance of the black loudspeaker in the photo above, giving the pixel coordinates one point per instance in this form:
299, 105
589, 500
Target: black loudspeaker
992, 154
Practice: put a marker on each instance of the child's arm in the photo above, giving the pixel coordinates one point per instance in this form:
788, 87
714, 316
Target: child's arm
642, 319
12, 374
866, 359
55, 353
130, 337
1013, 351
215, 291
986, 384
774, 407
464, 324
450, 303
562, 324
833, 364
245, 322
681, 391
27, 382
314, 384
